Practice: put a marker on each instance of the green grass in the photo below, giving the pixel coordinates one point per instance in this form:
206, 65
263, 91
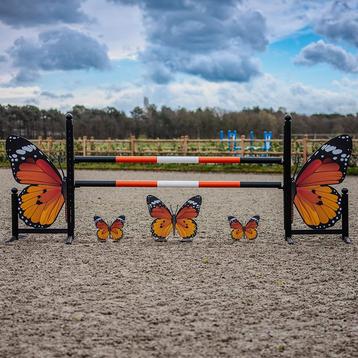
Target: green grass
202, 168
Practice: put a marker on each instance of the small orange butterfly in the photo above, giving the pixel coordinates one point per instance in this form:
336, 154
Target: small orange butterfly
114, 231
249, 231
166, 221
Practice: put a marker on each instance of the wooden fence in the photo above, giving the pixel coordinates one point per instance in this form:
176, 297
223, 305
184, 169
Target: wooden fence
243, 146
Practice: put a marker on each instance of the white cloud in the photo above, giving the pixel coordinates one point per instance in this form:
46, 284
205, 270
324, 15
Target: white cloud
122, 29
265, 92
215, 40
285, 17
340, 22
119, 27
322, 52
18, 95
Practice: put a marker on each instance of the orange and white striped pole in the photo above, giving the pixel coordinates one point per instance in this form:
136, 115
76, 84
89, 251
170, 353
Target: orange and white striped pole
177, 160
175, 184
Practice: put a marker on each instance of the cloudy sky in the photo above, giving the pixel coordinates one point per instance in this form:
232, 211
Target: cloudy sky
301, 55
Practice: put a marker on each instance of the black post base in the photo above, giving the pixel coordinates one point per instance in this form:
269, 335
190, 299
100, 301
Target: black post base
289, 240
15, 238
347, 240
12, 239
69, 240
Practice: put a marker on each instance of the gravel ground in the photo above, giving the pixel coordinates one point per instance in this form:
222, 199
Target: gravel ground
213, 297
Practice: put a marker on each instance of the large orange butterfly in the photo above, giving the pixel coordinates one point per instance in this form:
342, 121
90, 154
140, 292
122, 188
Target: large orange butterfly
114, 231
316, 201
249, 231
166, 221
42, 200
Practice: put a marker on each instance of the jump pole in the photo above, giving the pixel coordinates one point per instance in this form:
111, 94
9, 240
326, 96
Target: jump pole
175, 184
177, 160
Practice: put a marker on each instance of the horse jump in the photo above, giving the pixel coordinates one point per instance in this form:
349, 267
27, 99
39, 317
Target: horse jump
72, 184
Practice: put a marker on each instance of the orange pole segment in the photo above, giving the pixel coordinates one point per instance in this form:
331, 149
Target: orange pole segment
219, 160
136, 159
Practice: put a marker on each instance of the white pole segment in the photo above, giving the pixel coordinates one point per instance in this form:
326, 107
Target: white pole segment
178, 184
178, 159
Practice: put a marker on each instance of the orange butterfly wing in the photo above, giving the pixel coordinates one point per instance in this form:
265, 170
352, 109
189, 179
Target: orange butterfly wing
237, 232
116, 228
185, 225
251, 228
41, 201
163, 224
318, 204
103, 230
40, 205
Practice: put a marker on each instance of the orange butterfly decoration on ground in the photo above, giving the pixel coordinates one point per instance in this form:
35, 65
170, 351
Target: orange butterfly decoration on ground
316, 201
114, 231
166, 221
42, 200
249, 231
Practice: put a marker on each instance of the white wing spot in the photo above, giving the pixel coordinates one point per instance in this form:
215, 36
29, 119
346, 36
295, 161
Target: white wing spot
329, 148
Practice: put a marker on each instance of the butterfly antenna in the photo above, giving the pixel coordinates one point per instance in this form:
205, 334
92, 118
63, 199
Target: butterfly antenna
176, 211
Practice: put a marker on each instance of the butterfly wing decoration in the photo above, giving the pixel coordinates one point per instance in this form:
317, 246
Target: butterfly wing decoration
42, 200
237, 232
103, 229
115, 231
163, 224
184, 223
116, 228
319, 204
251, 228
249, 231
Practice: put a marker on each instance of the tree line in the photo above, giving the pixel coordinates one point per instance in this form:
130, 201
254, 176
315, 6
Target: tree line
165, 122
